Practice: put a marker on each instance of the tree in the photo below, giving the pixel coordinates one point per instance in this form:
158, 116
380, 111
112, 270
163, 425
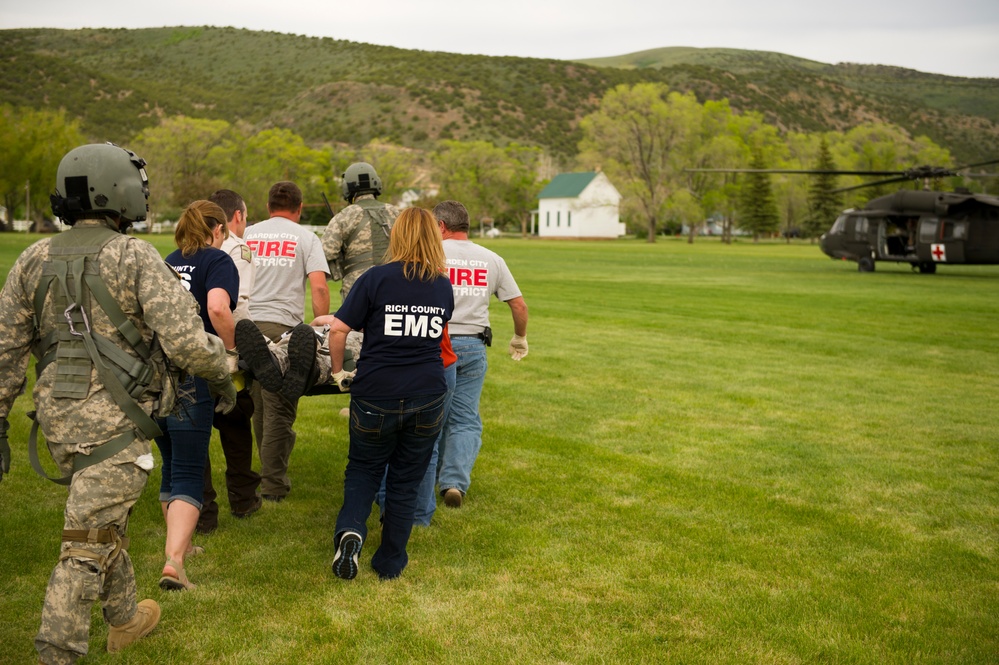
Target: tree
522, 193
177, 152
397, 166
881, 147
757, 206
32, 143
824, 206
500, 183
722, 146
643, 136
251, 164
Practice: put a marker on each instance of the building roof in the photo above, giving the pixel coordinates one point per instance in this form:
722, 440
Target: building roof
567, 185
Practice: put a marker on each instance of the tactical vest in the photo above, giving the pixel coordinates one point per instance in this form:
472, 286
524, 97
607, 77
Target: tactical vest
71, 275
379, 220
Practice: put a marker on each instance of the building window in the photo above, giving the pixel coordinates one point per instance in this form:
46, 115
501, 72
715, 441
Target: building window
568, 218
548, 218
558, 218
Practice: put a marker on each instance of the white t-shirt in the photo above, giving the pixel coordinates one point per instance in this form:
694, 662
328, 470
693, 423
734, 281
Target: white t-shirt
476, 273
240, 253
284, 254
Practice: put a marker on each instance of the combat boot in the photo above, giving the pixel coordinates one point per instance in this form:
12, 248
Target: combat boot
147, 615
255, 351
303, 370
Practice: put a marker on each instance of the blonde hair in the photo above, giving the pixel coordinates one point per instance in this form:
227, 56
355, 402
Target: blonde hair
195, 226
416, 243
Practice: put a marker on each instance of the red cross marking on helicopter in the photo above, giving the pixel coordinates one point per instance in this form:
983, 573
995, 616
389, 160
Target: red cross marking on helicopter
938, 253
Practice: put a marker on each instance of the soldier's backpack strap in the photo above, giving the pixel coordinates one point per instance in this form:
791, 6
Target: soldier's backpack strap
375, 215
99, 454
76, 359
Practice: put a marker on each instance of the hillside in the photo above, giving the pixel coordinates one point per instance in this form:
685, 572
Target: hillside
332, 91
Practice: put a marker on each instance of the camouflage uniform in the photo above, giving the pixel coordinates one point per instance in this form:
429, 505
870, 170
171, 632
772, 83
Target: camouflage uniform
96, 566
347, 240
350, 248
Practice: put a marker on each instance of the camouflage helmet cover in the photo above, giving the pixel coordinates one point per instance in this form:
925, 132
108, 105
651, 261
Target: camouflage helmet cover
360, 178
101, 179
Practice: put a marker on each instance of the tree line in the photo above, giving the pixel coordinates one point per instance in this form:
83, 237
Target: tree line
645, 137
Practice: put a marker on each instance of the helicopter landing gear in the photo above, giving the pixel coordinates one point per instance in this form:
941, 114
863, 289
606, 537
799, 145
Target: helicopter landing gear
865, 264
926, 267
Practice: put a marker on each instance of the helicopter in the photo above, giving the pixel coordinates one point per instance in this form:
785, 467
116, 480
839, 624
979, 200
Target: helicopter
922, 228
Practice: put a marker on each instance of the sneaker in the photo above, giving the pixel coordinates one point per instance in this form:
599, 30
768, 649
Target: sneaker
452, 497
302, 371
273, 498
257, 502
147, 615
255, 351
345, 561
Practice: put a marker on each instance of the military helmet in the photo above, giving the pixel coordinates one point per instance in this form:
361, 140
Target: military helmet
360, 178
98, 180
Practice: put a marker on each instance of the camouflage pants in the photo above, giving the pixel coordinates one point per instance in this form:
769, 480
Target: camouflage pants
100, 497
352, 350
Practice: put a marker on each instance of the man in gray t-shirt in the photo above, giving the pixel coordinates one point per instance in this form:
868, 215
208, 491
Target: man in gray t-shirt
476, 275
286, 257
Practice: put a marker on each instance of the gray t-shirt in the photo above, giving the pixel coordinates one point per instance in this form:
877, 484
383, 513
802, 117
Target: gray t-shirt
284, 254
476, 273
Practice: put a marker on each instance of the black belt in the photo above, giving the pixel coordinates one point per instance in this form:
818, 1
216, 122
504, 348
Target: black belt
486, 336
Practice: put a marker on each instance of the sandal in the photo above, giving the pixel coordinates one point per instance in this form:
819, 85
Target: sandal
194, 551
176, 582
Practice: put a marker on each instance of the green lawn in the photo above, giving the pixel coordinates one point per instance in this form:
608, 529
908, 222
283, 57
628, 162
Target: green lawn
712, 454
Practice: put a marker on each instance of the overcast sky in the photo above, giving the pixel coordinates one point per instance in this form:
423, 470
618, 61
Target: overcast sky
956, 37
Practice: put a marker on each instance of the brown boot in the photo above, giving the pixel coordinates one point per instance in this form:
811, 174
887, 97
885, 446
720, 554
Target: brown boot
147, 615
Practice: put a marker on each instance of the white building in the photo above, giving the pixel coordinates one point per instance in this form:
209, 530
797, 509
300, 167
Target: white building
578, 205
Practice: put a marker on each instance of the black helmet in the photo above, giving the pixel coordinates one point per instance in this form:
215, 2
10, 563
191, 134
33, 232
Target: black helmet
101, 180
360, 178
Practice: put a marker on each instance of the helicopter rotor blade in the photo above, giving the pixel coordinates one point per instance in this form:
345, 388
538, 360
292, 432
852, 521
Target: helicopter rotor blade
971, 166
797, 171
876, 183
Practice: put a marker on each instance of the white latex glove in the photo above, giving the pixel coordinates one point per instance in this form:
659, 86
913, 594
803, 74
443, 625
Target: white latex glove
232, 360
343, 379
518, 347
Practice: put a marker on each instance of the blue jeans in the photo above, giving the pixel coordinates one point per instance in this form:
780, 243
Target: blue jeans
401, 434
184, 443
462, 437
426, 498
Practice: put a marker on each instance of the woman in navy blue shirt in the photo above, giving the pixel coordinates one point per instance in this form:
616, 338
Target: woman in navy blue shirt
211, 277
397, 394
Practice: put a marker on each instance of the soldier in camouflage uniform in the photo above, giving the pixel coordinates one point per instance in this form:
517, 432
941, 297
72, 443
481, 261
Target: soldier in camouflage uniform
129, 309
358, 236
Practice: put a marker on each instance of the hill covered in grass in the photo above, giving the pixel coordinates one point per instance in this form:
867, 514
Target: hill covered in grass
331, 91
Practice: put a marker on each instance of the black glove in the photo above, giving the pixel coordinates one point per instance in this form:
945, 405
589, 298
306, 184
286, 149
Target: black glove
4, 448
226, 392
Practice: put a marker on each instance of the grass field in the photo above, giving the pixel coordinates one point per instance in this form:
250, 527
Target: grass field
712, 454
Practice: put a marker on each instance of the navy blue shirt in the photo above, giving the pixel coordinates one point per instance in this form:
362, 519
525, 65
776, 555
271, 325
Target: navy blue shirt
403, 321
206, 269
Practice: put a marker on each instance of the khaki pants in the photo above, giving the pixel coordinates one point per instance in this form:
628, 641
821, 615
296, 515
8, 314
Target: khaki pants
273, 418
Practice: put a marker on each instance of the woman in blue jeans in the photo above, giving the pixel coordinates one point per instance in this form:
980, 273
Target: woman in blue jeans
211, 277
397, 391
